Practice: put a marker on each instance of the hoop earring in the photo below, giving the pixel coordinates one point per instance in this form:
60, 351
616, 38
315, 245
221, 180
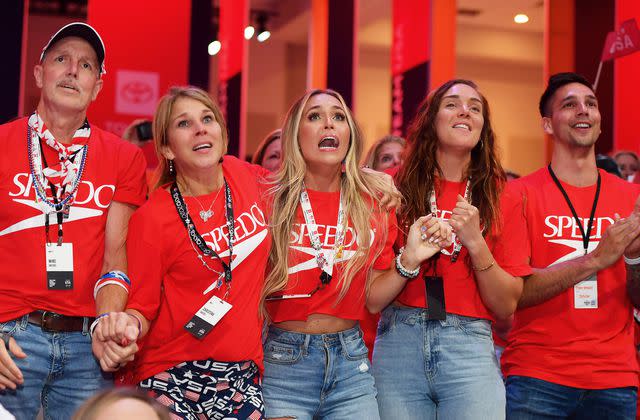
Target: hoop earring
172, 170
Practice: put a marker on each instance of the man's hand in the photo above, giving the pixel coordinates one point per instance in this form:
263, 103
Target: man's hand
114, 340
111, 355
615, 241
120, 327
10, 375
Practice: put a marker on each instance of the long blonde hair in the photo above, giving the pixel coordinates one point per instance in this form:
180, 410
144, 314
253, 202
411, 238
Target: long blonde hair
360, 195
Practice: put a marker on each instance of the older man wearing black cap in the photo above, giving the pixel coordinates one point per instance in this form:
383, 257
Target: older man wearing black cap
67, 190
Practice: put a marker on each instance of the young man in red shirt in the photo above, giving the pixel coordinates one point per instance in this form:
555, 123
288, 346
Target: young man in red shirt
67, 190
570, 353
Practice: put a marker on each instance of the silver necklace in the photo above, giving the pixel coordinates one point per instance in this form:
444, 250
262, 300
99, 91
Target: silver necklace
207, 214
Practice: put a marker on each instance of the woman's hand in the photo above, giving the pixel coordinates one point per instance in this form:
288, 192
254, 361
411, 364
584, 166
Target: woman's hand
426, 237
465, 222
391, 199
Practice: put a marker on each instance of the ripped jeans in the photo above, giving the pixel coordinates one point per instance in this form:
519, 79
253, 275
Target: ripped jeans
311, 376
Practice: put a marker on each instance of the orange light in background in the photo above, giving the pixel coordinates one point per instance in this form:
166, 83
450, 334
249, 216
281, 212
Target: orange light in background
521, 18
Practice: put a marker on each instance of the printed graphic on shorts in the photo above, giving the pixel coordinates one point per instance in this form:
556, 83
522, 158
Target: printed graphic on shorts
209, 390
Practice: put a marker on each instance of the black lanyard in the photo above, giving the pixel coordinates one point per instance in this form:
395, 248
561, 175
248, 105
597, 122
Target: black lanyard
585, 237
196, 238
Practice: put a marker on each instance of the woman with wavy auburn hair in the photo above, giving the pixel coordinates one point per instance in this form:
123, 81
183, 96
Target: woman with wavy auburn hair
433, 355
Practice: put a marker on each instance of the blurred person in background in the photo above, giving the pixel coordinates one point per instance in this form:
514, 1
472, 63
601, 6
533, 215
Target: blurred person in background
628, 163
386, 153
269, 152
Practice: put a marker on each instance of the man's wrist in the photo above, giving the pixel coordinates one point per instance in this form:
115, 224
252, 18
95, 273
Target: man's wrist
593, 263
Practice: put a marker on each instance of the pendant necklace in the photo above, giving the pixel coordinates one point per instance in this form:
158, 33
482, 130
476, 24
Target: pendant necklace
207, 214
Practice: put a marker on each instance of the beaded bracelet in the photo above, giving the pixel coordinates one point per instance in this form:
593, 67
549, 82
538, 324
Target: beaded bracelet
403, 271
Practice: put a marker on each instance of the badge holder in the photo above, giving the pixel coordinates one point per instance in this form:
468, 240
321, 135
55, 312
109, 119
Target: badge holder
207, 317
585, 293
59, 264
434, 288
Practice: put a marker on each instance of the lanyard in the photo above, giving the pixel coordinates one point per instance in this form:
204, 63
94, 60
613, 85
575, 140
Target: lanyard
197, 239
457, 245
314, 238
585, 237
61, 209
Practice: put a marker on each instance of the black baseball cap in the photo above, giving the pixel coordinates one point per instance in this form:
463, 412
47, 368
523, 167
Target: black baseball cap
80, 30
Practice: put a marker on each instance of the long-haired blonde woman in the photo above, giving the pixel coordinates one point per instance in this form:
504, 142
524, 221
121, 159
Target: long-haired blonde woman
434, 356
331, 243
199, 245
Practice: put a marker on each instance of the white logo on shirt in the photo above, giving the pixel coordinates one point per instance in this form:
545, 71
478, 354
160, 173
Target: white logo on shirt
327, 239
561, 227
250, 229
87, 193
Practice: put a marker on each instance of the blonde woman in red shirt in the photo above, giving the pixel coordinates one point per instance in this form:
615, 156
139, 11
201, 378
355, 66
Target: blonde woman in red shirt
332, 252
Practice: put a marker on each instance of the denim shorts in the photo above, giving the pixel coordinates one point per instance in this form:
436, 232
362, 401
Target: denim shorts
428, 369
324, 376
60, 371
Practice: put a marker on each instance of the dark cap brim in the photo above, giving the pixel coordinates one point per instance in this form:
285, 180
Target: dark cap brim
80, 30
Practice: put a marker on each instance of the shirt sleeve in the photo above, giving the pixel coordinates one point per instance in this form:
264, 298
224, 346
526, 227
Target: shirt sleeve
383, 262
132, 184
512, 247
144, 265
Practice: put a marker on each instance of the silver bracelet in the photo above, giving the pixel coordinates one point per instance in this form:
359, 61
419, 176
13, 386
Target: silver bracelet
403, 271
631, 261
95, 322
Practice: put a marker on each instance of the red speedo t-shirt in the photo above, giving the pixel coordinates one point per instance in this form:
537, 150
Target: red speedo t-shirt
114, 171
554, 341
304, 274
170, 284
460, 289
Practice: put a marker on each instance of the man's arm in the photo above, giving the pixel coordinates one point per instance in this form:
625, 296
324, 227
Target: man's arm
633, 284
549, 282
633, 270
113, 298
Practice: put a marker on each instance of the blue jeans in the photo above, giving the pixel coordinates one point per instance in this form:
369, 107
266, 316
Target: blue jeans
428, 369
59, 372
324, 376
531, 398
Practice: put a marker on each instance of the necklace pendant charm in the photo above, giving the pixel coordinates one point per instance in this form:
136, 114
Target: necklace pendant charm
219, 281
339, 251
206, 215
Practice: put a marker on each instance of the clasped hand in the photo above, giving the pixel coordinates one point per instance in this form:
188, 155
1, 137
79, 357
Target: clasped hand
114, 340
